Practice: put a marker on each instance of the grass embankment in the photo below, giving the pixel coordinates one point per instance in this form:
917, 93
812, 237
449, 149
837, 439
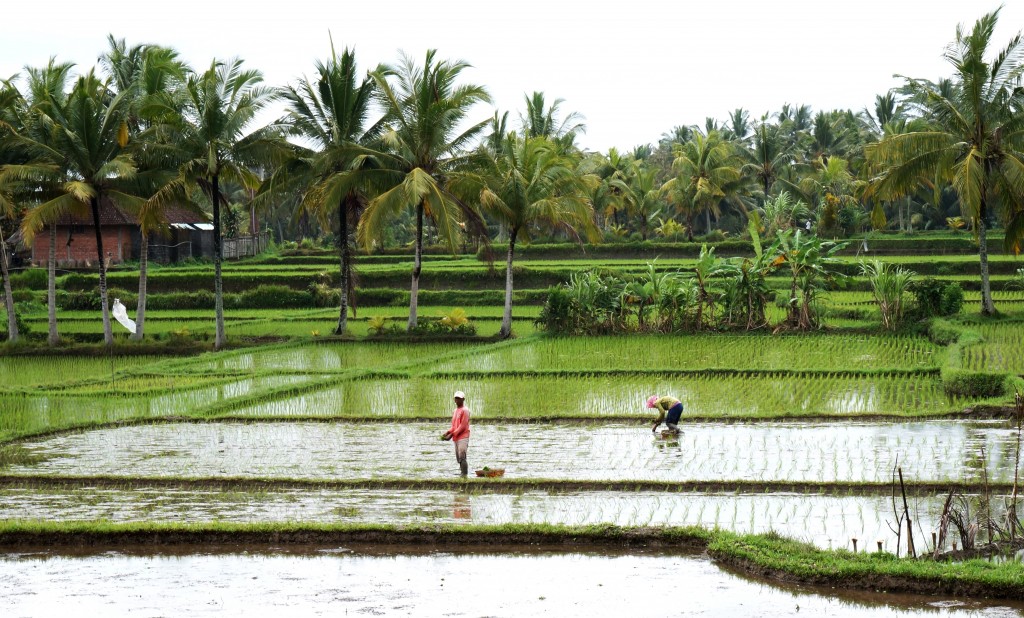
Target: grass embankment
768, 556
501, 485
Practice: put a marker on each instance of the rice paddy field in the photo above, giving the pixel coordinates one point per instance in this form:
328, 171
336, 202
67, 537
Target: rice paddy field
790, 434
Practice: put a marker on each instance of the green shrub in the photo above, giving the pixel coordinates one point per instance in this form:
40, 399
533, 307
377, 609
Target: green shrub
558, 314
31, 279
941, 332
973, 384
936, 298
952, 300
273, 297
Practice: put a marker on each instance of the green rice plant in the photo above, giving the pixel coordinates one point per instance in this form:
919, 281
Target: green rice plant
651, 353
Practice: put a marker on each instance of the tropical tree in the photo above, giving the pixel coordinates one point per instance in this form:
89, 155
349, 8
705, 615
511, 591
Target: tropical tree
81, 138
976, 140
783, 213
40, 181
768, 158
206, 131
331, 114
142, 73
813, 267
425, 155
706, 171
530, 184
641, 194
11, 103
541, 120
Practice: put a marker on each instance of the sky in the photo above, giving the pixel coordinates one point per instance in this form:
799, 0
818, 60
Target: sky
634, 69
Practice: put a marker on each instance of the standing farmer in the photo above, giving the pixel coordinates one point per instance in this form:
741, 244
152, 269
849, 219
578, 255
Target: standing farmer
459, 432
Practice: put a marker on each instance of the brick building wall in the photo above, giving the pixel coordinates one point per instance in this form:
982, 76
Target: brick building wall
116, 243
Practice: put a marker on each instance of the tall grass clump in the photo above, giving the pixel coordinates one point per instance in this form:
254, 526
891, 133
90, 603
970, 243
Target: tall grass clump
889, 286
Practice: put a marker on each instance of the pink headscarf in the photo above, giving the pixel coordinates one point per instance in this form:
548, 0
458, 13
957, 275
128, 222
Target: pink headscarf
651, 401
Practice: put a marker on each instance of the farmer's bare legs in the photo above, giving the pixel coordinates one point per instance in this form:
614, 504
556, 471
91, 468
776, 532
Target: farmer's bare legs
460, 455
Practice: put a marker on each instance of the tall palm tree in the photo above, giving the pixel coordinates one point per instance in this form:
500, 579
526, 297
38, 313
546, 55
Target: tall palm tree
976, 141
143, 73
706, 171
531, 184
11, 105
641, 194
42, 180
208, 134
81, 139
768, 158
331, 113
426, 154
541, 120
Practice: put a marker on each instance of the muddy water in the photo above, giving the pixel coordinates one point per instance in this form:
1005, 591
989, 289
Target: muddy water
927, 451
827, 521
346, 582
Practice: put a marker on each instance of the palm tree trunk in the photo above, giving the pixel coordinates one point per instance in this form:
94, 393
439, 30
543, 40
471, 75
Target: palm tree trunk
343, 278
12, 322
707, 221
51, 290
987, 306
506, 320
140, 311
689, 227
417, 265
108, 335
218, 284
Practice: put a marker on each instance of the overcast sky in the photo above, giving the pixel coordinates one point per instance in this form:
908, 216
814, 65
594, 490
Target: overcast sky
633, 68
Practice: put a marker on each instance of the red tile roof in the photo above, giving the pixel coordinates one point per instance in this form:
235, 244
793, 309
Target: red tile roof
111, 215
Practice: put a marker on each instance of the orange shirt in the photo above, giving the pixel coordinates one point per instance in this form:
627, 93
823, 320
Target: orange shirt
460, 424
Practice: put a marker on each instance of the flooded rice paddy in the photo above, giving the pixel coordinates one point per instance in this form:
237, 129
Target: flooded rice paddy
584, 397
794, 451
828, 521
355, 581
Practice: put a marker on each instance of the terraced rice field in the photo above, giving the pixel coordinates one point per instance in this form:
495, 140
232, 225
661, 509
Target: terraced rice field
797, 435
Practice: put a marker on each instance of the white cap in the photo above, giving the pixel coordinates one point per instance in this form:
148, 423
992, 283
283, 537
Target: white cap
460, 395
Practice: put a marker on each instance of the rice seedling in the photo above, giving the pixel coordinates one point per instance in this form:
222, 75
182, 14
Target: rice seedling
710, 352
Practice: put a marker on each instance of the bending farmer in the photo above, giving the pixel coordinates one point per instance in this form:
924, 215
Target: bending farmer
669, 410
459, 431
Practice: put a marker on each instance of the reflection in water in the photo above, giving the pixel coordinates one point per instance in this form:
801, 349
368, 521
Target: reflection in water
806, 451
452, 583
461, 506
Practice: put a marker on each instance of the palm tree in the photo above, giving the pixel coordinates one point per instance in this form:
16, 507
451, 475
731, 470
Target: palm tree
531, 184
142, 73
11, 104
706, 171
208, 135
425, 154
81, 139
41, 180
640, 193
331, 113
976, 140
543, 121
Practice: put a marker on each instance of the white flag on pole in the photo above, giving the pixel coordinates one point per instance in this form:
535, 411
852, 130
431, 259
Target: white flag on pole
120, 314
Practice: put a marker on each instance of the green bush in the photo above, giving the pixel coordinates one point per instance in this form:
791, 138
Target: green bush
558, 313
273, 297
936, 298
943, 333
952, 300
973, 384
31, 279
